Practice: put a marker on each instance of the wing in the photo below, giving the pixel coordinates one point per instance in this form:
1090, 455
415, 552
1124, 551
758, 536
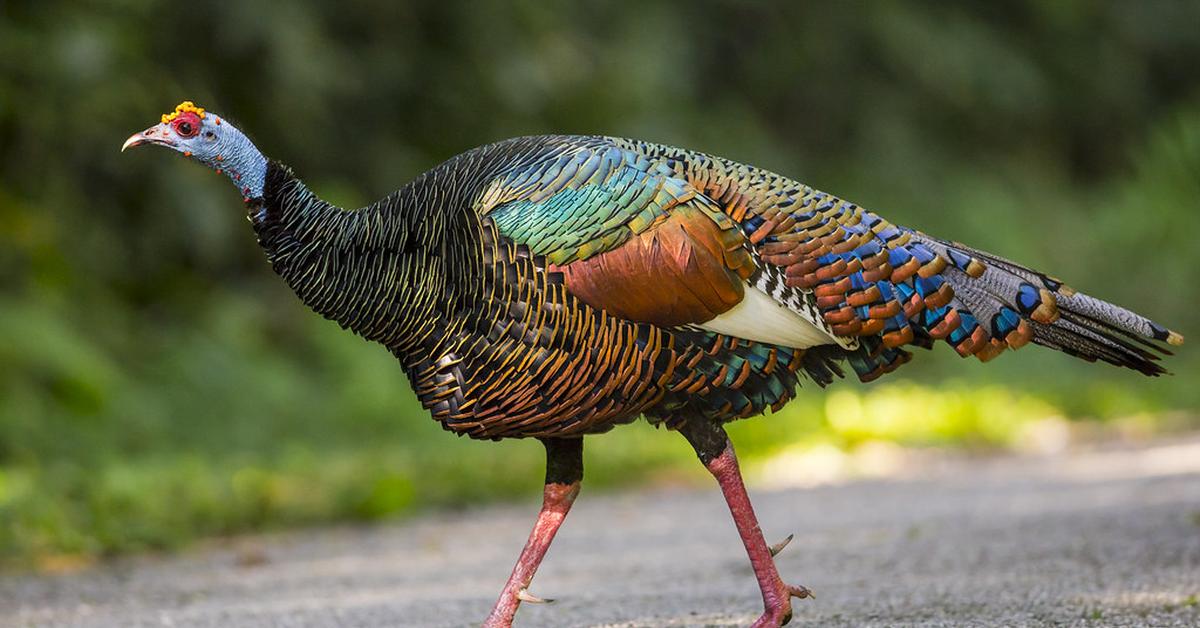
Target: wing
632, 237
679, 238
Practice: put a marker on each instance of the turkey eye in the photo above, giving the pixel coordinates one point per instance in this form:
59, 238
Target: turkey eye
185, 129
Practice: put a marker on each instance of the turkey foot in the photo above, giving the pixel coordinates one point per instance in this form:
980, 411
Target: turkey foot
564, 472
715, 450
778, 604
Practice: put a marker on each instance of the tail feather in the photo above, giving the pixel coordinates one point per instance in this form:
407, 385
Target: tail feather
1070, 337
1016, 304
1103, 313
1095, 325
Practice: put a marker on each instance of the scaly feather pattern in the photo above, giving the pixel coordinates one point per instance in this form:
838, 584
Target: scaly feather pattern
558, 286
561, 285
493, 342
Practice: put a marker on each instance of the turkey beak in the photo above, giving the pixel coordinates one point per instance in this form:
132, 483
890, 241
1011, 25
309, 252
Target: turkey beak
157, 134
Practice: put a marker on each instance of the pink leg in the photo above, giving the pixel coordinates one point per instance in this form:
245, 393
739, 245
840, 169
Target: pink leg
564, 472
716, 452
777, 596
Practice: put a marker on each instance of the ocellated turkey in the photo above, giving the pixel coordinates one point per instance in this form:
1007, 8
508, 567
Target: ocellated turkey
557, 286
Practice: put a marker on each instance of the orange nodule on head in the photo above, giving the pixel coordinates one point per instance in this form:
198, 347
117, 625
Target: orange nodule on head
186, 106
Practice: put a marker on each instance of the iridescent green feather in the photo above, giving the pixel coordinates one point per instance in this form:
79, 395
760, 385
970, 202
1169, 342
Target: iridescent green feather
584, 203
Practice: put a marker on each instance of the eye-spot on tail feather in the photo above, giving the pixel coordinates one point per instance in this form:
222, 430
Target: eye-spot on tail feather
978, 303
1061, 318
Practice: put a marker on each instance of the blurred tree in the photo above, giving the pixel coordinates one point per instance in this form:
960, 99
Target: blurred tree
140, 324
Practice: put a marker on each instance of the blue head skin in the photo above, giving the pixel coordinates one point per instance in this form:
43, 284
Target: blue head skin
212, 141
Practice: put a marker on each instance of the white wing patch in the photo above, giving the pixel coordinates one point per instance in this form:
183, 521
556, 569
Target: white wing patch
763, 319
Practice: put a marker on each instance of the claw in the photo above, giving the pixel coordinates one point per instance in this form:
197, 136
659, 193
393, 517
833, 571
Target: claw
778, 547
526, 596
799, 592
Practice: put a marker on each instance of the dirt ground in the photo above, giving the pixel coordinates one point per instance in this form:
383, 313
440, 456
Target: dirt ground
1107, 537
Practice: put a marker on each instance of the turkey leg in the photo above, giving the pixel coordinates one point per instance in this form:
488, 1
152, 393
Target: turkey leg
564, 472
715, 450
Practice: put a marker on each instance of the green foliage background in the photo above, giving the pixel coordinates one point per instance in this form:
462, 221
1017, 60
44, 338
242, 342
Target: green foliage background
158, 383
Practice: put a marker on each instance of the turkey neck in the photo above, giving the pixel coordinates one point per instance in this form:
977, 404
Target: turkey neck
380, 271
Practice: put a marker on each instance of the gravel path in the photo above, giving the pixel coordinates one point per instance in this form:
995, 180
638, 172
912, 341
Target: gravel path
1101, 538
